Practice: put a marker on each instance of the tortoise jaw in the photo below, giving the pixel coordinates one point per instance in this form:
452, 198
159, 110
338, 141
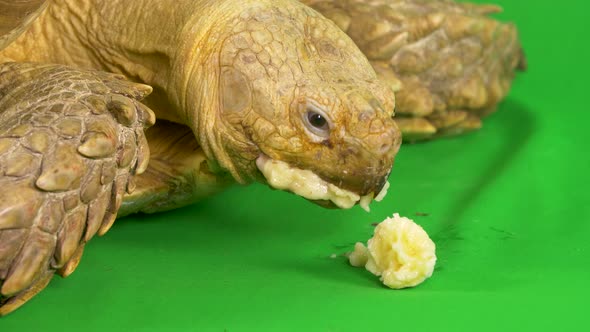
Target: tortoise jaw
305, 183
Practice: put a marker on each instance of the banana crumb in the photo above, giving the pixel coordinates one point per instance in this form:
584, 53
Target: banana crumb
400, 253
359, 256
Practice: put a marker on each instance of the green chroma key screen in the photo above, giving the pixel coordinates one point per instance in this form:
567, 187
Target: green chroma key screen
507, 206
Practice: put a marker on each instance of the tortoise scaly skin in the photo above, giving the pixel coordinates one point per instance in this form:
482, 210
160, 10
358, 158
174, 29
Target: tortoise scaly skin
232, 83
64, 167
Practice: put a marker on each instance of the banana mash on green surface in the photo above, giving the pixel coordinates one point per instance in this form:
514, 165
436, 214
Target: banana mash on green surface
400, 253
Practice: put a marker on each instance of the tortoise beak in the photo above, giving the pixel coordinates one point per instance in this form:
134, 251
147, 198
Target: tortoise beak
380, 185
364, 179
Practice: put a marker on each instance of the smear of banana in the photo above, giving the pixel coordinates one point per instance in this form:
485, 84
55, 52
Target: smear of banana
307, 184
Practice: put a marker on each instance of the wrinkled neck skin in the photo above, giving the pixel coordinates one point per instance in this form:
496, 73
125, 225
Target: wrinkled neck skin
175, 51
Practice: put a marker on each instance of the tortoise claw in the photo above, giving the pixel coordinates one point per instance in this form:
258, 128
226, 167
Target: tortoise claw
10, 304
73, 263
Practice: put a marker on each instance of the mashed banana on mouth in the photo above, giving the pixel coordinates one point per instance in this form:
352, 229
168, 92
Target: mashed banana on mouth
307, 184
400, 253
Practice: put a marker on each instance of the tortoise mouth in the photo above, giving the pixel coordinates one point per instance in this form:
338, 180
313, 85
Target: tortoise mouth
305, 183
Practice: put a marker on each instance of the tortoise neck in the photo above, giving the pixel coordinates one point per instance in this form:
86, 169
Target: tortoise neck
172, 45
156, 42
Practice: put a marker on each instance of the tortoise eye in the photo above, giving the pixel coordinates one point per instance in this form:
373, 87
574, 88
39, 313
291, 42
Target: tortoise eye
317, 122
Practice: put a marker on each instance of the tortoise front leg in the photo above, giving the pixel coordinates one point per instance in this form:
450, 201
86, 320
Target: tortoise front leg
70, 143
449, 63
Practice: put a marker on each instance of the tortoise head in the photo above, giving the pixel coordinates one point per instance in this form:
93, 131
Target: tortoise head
295, 89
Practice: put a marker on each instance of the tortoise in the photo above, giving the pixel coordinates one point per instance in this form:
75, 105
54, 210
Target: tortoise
296, 94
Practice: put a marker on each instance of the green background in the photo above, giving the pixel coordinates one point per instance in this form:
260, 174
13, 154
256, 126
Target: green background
508, 209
